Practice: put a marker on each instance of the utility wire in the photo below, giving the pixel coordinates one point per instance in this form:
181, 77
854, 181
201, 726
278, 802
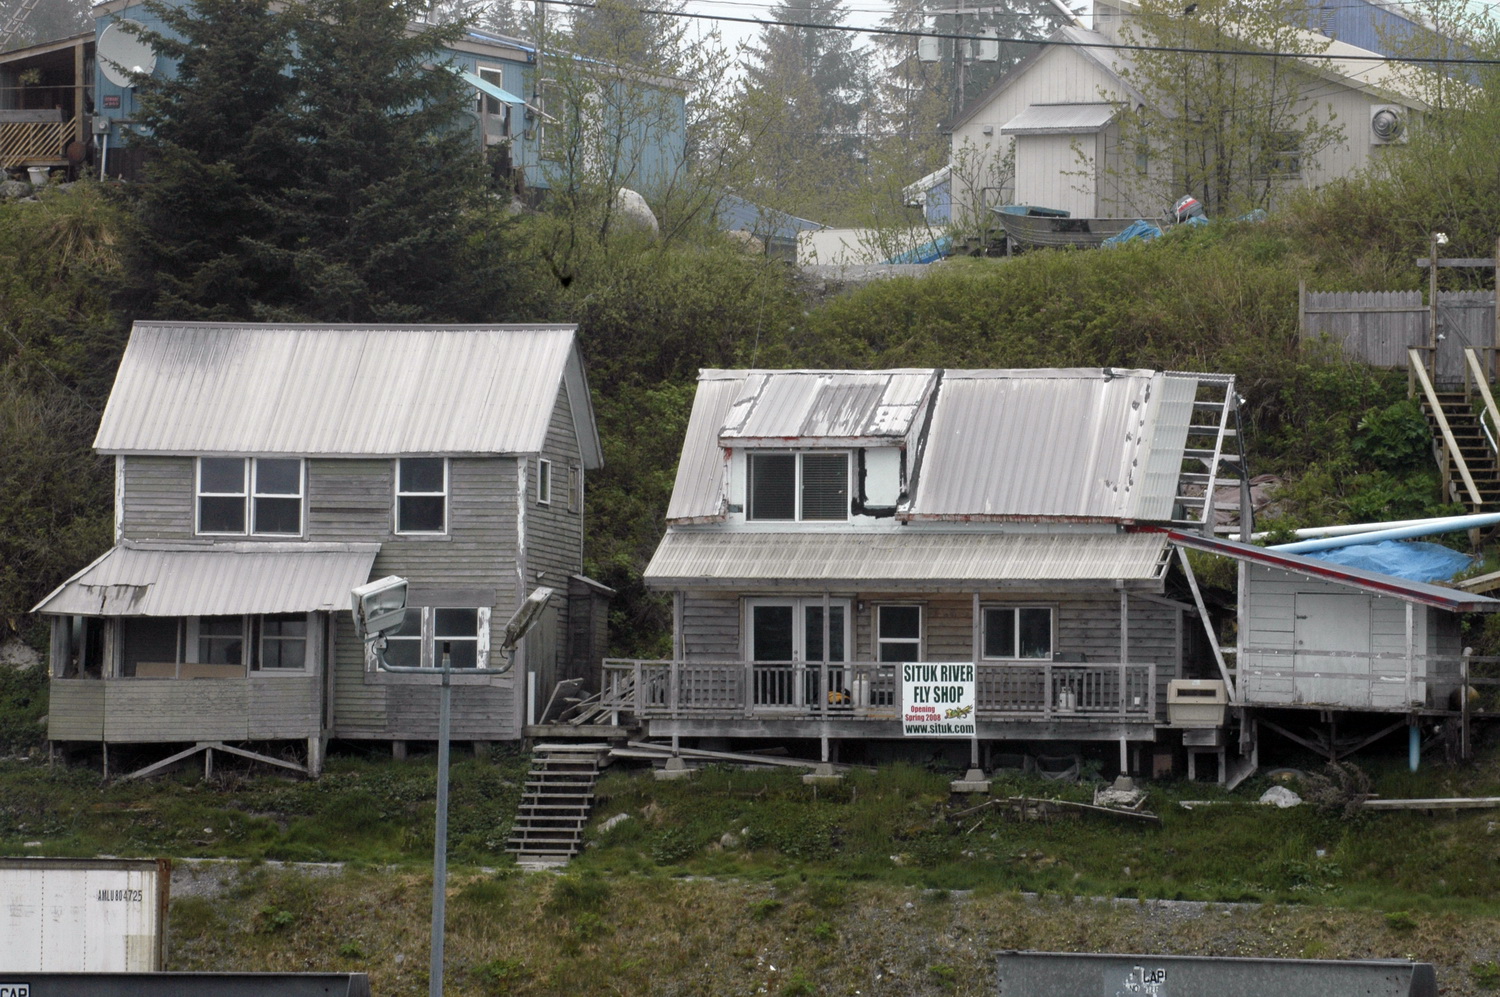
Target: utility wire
1052, 42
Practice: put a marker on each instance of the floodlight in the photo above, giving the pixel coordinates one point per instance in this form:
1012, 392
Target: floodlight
379, 607
525, 618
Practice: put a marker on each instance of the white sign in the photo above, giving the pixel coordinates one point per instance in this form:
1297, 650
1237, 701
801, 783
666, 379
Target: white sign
937, 699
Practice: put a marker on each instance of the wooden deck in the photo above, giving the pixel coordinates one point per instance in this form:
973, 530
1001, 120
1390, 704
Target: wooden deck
784, 696
162, 710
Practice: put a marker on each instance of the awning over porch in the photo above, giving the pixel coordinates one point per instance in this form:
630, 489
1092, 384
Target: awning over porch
687, 559
214, 580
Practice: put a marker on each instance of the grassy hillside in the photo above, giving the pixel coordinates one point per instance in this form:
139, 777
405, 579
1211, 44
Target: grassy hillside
737, 881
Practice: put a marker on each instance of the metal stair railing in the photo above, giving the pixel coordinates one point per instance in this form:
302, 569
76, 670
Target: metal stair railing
1482, 382
1419, 372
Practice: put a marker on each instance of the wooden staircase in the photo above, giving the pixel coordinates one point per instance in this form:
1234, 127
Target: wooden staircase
1474, 452
1462, 441
559, 794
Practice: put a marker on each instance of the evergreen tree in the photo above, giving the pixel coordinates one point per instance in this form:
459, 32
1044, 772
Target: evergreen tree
375, 223
811, 88
310, 163
221, 150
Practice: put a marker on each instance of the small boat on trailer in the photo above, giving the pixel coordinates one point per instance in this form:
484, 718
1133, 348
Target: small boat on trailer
1030, 227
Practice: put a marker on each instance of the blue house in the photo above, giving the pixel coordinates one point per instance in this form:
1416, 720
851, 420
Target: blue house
527, 124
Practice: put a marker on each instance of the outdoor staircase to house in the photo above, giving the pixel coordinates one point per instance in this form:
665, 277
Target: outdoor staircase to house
1474, 451
548, 829
1214, 456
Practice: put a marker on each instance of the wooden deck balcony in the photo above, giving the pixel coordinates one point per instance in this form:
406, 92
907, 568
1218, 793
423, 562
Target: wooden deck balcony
869, 691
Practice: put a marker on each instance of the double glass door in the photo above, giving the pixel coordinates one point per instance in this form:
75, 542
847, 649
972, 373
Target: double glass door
786, 633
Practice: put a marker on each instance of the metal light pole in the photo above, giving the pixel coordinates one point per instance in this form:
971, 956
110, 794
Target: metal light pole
380, 610
440, 835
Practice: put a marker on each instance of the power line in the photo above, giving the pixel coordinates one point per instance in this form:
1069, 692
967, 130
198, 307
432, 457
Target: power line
1052, 42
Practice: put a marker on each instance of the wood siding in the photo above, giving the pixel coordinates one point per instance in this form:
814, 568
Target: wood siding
1086, 624
476, 559
257, 708
158, 498
352, 500
554, 551
1280, 668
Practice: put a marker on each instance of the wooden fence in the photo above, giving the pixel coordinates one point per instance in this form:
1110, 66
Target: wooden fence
1378, 327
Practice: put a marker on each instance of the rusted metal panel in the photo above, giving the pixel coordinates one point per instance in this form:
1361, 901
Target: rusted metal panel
869, 559
205, 388
825, 407
214, 580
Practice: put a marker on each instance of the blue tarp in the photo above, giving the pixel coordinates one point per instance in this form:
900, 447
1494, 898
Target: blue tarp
1137, 230
1415, 561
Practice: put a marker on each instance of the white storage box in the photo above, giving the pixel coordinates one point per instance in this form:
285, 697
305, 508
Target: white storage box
1196, 702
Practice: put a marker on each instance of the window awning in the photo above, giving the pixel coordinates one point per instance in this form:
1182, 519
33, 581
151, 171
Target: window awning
894, 559
485, 86
1060, 119
214, 580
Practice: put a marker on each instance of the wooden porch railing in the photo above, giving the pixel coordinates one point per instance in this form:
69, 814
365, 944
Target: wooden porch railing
1043, 690
38, 143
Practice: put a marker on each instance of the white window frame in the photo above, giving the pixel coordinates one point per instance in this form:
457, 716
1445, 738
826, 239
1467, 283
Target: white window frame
880, 640
399, 495
1015, 610
799, 607
495, 76
309, 650
249, 484
543, 481
428, 655
199, 495
798, 516
256, 494
251, 636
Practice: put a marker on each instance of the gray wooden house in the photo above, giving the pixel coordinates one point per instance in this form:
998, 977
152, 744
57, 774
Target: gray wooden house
827, 526
262, 471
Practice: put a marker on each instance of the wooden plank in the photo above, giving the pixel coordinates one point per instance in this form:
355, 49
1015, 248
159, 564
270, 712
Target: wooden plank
1458, 261
1441, 803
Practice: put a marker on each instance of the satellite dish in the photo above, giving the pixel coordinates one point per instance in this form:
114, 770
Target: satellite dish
123, 55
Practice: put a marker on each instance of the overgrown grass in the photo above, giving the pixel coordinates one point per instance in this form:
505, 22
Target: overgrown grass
901, 826
654, 933
361, 811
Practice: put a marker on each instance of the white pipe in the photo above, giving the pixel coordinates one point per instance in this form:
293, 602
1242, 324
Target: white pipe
1350, 529
1450, 525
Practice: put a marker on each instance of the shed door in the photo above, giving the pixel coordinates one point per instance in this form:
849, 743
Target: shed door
1332, 634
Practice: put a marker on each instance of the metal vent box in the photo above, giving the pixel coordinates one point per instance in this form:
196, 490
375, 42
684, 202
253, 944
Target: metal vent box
1196, 702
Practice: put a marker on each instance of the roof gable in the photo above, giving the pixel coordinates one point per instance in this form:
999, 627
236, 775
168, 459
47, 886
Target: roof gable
351, 390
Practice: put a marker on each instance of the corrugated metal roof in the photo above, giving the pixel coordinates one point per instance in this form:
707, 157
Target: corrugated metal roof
1450, 599
903, 557
699, 490
1170, 414
214, 580
204, 388
1023, 444
825, 407
1060, 119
